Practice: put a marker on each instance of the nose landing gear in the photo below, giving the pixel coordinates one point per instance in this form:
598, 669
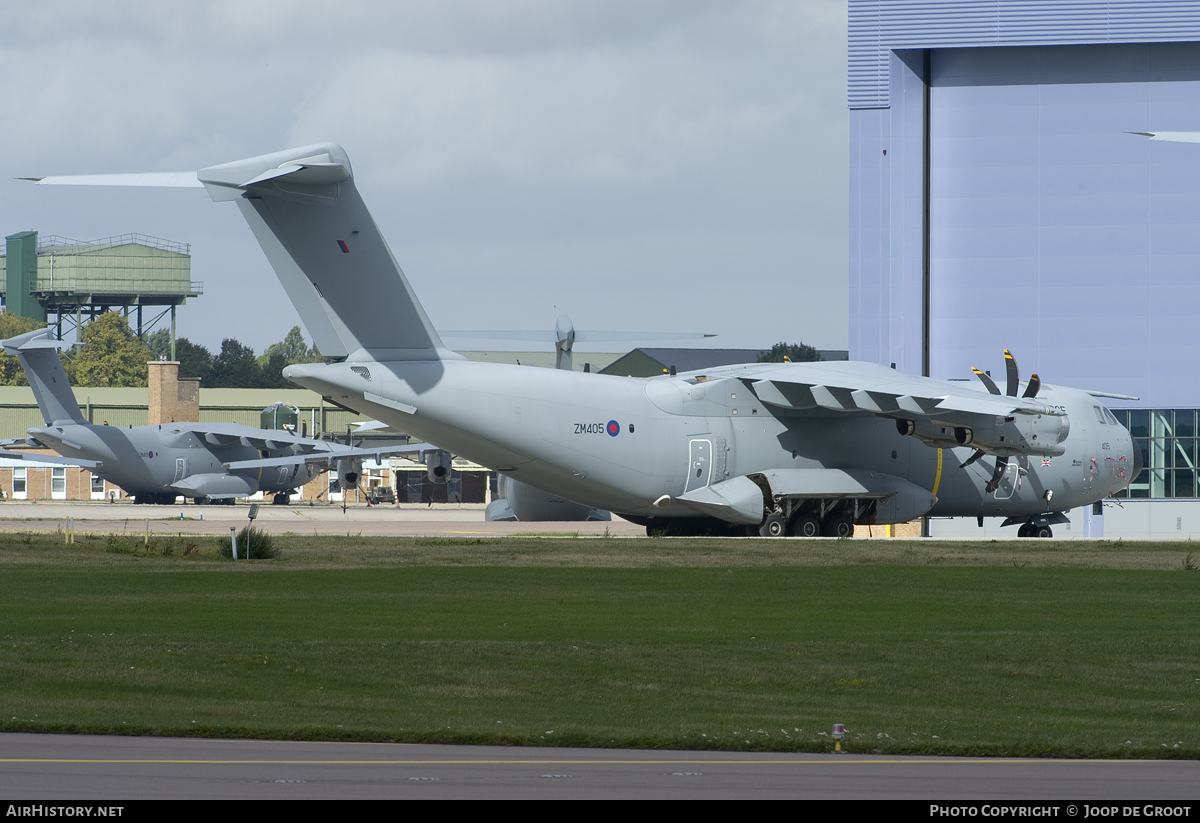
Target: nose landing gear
1034, 530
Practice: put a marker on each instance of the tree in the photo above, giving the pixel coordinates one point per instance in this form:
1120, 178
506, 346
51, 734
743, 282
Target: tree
111, 355
195, 361
159, 343
291, 349
11, 325
235, 367
271, 372
796, 352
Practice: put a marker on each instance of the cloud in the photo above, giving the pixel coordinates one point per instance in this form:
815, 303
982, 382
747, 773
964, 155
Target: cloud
593, 116
679, 140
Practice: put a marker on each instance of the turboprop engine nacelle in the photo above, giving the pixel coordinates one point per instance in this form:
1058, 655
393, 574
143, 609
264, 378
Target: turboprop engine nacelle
936, 435
437, 466
349, 472
1029, 434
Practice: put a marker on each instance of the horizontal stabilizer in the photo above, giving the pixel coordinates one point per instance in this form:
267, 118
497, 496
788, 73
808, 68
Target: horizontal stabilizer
51, 458
323, 244
165, 179
331, 258
37, 352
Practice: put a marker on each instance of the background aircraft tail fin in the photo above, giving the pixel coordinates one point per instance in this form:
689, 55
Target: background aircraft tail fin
38, 353
328, 253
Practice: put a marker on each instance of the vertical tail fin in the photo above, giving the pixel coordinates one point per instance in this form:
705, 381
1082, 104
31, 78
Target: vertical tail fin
328, 253
38, 353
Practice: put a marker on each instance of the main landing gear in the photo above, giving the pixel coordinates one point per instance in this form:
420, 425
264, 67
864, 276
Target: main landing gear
156, 499
1034, 530
838, 521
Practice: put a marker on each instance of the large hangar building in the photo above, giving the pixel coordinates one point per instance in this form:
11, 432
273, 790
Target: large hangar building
998, 201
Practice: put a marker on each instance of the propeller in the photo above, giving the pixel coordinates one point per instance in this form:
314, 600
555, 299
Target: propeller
1012, 383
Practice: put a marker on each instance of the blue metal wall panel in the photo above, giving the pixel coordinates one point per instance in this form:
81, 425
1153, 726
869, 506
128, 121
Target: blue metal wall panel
877, 26
885, 226
1055, 233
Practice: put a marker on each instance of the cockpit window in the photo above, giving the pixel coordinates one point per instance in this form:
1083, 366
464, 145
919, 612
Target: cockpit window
1099, 415
1112, 418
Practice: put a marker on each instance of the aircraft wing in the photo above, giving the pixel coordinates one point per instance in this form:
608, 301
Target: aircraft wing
851, 386
52, 458
939, 413
233, 434
328, 456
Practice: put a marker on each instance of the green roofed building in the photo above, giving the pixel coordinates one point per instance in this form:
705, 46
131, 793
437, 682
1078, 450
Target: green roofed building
74, 280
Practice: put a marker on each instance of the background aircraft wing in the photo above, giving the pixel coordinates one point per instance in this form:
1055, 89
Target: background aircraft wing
218, 435
330, 455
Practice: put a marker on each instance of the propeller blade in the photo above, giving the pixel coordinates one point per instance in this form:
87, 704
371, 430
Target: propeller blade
1034, 384
987, 380
978, 454
1014, 377
1001, 465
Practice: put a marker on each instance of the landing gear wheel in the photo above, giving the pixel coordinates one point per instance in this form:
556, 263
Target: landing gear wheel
805, 525
1043, 531
281, 499
1026, 530
773, 526
839, 527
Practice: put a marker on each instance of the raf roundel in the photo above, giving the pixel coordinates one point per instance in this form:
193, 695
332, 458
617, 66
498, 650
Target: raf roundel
614, 428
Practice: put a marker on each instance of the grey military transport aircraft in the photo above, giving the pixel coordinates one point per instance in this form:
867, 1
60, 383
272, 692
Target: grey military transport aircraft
204, 461
766, 448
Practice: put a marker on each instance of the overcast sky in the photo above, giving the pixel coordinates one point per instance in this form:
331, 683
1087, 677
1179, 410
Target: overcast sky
667, 165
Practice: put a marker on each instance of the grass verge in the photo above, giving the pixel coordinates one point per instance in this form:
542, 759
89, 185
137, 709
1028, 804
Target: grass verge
973, 649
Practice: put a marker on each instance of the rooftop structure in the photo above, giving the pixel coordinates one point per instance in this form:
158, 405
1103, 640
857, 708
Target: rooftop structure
73, 279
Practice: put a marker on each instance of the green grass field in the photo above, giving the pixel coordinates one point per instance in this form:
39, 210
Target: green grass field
1022, 648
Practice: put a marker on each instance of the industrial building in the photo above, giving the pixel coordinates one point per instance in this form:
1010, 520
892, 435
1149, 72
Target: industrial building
997, 200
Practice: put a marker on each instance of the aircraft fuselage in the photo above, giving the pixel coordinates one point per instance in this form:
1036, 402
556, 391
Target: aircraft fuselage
157, 459
622, 443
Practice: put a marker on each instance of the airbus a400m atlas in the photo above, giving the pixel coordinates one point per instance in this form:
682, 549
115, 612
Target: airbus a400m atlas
158, 463
811, 448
